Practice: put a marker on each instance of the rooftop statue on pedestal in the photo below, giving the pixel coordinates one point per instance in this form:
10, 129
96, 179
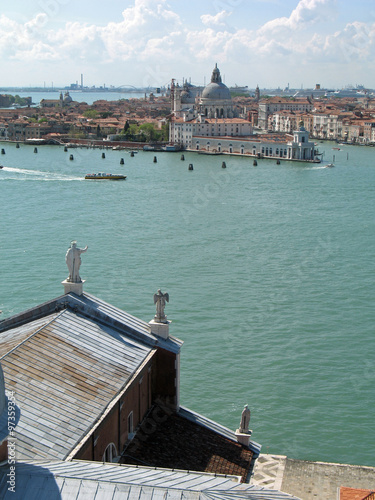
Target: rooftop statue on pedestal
73, 261
245, 420
160, 299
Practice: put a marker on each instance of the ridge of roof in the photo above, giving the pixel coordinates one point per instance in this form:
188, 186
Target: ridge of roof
89, 306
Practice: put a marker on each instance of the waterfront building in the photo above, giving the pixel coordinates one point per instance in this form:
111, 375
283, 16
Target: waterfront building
208, 121
275, 104
23, 130
294, 146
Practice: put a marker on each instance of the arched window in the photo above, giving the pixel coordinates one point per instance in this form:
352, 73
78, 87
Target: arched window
231, 148
110, 453
219, 147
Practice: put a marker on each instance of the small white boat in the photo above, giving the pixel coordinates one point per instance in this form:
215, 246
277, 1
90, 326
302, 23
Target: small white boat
329, 165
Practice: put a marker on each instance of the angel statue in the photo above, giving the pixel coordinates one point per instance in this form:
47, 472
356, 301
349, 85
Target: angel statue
73, 261
160, 299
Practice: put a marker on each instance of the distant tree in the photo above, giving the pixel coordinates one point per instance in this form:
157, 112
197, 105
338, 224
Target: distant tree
132, 132
164, 133
148, 131
91, 113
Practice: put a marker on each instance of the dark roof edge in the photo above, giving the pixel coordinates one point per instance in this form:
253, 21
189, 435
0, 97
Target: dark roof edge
214, 426
32, 314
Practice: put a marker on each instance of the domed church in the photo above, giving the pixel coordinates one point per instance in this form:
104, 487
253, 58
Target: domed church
216, 101
204, 112
206, 120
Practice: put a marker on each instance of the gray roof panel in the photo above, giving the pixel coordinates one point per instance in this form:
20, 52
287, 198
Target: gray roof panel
79, 480
72, 367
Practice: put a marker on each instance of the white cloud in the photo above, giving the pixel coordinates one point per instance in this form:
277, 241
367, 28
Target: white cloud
355, 41
217, 20
152, 38
307, 11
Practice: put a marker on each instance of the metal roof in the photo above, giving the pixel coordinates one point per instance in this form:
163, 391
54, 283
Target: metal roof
65, 370
66, 360
89, 306
81, 480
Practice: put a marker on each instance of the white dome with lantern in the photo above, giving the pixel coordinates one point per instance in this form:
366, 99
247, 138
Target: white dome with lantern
216, 101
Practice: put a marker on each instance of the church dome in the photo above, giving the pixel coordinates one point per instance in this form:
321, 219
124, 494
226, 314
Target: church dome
67, 97
216, 90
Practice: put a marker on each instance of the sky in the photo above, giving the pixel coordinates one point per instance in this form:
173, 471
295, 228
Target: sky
146, 43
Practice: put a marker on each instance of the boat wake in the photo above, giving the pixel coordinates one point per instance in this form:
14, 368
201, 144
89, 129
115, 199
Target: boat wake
27, 174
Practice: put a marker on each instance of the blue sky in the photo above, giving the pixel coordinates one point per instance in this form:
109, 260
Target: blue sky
148, 42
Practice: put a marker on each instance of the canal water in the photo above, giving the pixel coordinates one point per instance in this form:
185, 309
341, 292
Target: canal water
270, 271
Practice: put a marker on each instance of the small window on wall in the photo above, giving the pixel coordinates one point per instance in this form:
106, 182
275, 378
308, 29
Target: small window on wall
110, 453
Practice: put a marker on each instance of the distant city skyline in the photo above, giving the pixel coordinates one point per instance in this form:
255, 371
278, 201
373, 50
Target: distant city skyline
142, 43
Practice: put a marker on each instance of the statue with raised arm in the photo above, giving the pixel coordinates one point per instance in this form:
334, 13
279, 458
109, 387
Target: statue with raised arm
245, 420
160, 299
73, 261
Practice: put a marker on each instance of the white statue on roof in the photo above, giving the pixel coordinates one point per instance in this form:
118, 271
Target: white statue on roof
160, 299
245, 420
73, 261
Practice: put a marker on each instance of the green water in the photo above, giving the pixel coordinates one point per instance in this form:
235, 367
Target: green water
270, 271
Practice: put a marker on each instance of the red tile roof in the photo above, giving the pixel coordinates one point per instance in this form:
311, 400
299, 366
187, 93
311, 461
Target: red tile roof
356, 494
